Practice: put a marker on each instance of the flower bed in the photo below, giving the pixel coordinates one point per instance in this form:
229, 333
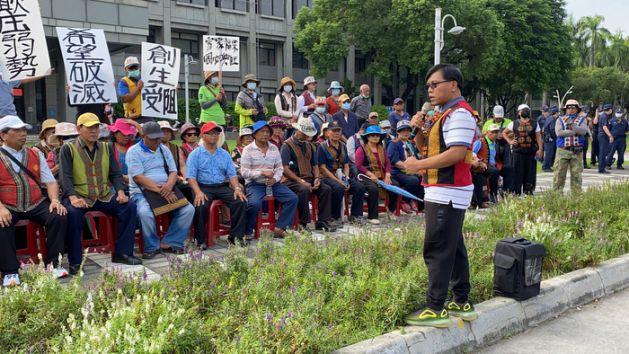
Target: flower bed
307, 296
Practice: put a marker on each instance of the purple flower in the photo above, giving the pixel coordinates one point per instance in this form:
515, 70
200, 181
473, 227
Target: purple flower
293, 289
144, 274
289, 314
333, 273
269, 317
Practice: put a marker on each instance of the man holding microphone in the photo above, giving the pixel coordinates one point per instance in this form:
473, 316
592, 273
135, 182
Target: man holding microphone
448, 193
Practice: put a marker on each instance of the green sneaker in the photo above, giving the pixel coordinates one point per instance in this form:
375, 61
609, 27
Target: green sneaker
464, 311
428, 317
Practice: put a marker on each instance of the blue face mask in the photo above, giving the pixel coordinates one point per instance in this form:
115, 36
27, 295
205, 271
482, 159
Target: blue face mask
320, 109
251, 85
288, 88
346, 105
134, 73
336, 92
214, 80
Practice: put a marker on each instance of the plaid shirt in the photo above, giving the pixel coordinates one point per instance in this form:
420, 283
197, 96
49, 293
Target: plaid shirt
253, 162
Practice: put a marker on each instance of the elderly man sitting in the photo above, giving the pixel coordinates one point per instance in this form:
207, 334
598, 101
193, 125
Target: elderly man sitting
212, 175
152, 170
23, 171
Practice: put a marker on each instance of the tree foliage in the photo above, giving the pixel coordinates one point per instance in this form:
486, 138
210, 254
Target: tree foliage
596, 86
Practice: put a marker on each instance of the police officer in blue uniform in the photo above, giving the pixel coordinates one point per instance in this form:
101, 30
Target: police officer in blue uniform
604, 136
585, 113
549, 137
618, 127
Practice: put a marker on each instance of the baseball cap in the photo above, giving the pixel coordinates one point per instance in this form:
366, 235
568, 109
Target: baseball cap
523, 106
385, 124
87, 119
259, 125
152, 130
209, 126
334, 125
13, 122
166, 125
607, 106
493, 127
398, 100
499, 111
373, 114
131, 61
403, 124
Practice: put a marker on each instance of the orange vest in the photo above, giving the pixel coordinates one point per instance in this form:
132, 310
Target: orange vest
18, 191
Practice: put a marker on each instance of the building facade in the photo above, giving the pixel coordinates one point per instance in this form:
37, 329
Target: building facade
265, 29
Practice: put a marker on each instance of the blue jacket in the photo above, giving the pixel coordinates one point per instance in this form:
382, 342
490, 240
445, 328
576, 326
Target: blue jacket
350, 127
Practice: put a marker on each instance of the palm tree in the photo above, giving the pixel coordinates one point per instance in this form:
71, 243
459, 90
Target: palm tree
591, 31
617, 52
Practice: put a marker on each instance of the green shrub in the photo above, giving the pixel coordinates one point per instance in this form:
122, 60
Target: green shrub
307, 296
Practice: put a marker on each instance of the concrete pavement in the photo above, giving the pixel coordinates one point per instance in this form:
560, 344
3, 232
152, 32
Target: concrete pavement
599, 327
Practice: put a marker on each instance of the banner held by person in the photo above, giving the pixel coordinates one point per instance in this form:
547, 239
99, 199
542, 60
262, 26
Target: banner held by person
160, 74
221, 53
24, 51
88, 65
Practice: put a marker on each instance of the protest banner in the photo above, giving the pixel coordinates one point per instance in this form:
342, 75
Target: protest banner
88, 65
160, 74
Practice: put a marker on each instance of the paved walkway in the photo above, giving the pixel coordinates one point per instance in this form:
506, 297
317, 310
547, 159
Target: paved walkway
96, 263
599, 327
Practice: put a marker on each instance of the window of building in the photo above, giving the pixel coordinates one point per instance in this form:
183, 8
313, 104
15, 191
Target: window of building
298, 4
361, 64
240, 5
194, 2
266, 53
187, 42
299, 60
270, 7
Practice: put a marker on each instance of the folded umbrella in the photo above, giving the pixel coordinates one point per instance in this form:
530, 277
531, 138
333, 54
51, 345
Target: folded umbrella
393, 189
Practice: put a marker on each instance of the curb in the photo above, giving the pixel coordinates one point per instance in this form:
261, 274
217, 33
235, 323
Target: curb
500, 317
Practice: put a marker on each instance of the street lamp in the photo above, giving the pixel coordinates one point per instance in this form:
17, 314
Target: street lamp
439, 22
187, 60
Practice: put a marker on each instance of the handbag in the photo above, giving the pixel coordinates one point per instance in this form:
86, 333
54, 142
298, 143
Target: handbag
28, 172
158, 204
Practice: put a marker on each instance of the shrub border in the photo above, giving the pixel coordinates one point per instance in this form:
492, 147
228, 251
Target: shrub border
500, 317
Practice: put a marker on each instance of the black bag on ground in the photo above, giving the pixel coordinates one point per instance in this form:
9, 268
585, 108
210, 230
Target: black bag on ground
518, 268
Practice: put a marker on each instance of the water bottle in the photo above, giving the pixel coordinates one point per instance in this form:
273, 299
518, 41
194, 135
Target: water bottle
269, 191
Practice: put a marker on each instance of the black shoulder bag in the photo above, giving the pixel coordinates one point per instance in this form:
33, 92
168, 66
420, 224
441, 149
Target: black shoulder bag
159, 205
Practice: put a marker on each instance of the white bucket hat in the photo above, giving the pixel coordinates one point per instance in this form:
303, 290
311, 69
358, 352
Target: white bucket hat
309, 80
131, 61
499, 111
305, 125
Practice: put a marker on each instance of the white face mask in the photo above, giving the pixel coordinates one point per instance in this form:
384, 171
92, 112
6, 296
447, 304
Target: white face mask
336, 92
618, 115
251, 85
288, 88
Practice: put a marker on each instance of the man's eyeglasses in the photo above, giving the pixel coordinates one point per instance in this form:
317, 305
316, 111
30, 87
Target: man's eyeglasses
433, 85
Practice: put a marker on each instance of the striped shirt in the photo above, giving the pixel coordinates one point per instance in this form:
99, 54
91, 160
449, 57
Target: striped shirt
459, 130
253, 161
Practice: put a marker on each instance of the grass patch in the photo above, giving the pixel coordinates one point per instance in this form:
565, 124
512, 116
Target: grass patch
304, 297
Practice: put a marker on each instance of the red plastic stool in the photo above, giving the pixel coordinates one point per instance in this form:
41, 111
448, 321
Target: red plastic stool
161, 226
103, 232
267, 222
214, 229
34, 231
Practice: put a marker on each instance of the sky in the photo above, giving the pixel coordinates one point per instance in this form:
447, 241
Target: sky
616, 12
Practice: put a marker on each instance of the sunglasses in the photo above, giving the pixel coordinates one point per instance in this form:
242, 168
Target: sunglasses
571, 106
433, 85
191, 134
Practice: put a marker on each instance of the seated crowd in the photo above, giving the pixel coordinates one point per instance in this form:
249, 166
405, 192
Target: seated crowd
318, 157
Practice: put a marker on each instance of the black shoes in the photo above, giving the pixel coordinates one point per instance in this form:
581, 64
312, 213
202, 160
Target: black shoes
74, 269
150, 254
325, 226
126, 259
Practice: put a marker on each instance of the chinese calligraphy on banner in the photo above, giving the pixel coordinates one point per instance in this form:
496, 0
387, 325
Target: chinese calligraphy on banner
88, 65
23, 51
221, 53
160, 74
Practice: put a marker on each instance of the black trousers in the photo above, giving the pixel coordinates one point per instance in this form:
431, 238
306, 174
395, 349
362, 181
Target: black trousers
237, 209
482, 179
55, 226
356, 191
594, 150
372, 199
525, 173
445, 255
323, 193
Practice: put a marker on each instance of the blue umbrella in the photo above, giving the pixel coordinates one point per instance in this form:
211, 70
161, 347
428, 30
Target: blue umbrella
394, 189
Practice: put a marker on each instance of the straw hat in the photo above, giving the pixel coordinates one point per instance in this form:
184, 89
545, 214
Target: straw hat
47, 124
